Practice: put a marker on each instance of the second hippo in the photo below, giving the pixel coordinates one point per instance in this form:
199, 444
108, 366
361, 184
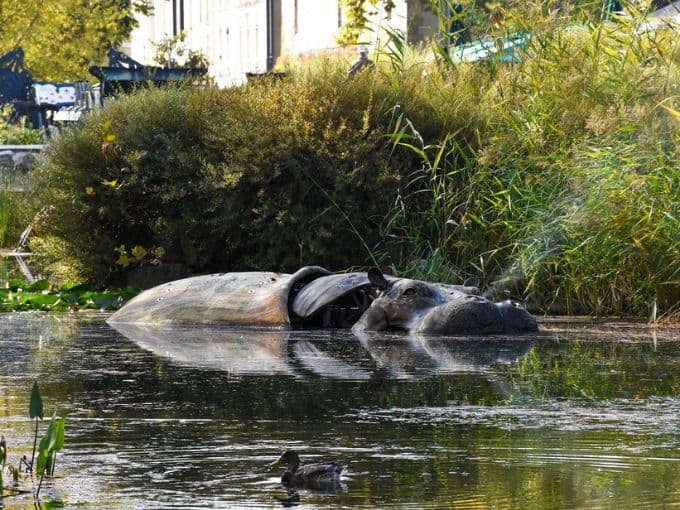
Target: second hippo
421, 307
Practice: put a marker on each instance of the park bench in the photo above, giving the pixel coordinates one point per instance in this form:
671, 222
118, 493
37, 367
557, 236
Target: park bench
62, 103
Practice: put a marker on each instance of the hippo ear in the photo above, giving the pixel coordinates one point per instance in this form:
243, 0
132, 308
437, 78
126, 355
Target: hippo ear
376, 278
473, 281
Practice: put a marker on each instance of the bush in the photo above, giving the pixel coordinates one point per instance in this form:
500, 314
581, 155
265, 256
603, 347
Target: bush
267, 176
17, 133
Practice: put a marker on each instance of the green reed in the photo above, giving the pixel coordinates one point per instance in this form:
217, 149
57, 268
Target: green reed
557, 178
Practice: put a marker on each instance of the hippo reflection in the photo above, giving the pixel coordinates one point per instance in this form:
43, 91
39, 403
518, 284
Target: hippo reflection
342, 355
313, 298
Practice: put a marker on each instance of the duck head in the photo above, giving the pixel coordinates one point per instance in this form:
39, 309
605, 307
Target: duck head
290, 459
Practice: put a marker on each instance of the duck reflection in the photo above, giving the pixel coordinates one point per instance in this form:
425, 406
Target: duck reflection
325, 354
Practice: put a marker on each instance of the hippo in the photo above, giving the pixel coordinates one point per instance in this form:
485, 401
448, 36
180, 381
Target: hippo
421, 307
314, 298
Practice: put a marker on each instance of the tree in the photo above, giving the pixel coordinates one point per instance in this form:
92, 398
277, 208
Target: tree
62, 38
356, 14
173, 52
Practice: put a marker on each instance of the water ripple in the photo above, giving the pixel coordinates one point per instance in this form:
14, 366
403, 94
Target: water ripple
655, 416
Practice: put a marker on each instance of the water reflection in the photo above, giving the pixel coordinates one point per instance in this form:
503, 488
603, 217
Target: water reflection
241, 352
193, 418
327, 354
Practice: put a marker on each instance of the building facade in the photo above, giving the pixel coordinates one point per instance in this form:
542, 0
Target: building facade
251, 36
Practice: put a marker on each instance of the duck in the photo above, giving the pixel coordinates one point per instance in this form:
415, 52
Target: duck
310, 474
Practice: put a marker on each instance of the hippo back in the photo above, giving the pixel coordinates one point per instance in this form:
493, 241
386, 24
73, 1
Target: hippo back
249, 298
475, 315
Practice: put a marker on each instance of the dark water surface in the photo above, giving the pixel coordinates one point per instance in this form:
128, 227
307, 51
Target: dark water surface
577, 416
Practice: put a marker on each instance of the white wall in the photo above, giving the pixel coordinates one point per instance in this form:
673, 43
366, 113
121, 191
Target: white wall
233, 33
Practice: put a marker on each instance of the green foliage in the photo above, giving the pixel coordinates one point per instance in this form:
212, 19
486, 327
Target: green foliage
62, 39
51, 443
570, 191
172, 52
266, 176
6, 199
3, 459
138, 255
42, 295
17, 133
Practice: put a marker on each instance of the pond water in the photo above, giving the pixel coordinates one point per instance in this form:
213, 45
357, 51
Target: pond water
579, 415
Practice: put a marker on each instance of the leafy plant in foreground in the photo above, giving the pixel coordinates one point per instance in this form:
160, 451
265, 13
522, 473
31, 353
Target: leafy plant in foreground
3, 457
51, 443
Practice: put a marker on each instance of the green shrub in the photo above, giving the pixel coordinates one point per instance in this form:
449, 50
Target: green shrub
267, 176
17, 133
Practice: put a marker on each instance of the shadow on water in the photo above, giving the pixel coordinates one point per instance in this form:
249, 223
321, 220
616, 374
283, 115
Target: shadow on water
580, 415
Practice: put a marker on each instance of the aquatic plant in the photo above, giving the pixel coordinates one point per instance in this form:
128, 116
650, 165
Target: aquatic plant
35, 411
50, 444
45, 296
3, 458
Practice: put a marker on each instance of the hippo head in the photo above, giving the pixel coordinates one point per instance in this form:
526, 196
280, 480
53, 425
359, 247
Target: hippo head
431, 308
516, 319
399, 304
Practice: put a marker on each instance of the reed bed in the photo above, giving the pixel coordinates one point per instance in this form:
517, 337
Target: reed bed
556, 178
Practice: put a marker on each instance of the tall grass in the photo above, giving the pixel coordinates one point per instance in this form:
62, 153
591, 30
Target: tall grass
5, 214
557, 178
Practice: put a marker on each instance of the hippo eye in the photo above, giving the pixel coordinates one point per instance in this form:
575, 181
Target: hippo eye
409, 292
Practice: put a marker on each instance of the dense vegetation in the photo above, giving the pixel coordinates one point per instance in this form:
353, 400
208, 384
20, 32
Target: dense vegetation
270, 176
555, 178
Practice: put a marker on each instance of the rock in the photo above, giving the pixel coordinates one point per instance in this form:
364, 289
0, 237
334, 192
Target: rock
24, 161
